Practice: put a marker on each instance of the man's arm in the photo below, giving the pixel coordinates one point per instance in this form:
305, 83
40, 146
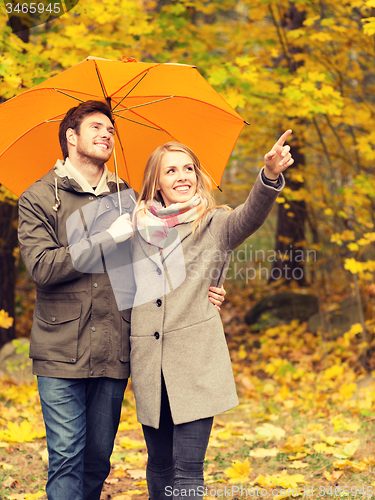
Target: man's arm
47, 262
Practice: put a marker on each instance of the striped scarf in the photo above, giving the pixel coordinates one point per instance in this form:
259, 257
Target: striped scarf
154, 220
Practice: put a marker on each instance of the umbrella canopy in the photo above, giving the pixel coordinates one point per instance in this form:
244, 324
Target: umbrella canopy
152, 104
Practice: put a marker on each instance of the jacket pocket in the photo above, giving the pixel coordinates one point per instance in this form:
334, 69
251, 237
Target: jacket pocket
54, 335
124, 354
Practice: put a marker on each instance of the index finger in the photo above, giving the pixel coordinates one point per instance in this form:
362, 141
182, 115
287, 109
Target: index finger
284, 137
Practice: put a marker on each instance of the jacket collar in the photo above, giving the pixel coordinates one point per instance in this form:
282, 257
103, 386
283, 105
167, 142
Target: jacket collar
72, 179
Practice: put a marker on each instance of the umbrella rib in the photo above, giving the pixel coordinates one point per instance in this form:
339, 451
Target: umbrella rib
131, 90
139, 123
144, 104
102, 84
72, 96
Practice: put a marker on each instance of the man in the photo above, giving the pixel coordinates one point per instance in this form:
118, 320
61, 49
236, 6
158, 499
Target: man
79, 339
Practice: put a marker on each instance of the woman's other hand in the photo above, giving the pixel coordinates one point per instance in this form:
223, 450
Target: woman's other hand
216, 296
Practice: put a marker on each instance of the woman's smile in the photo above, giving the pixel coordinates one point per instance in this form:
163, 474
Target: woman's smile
177, 179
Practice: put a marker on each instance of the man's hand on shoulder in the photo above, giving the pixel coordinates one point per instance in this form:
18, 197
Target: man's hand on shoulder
216, 296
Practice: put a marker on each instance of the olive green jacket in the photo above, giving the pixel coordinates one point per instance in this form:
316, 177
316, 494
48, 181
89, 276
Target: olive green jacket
77, 330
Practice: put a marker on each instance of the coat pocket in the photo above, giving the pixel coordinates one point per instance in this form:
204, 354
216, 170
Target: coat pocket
124, 354
54, 335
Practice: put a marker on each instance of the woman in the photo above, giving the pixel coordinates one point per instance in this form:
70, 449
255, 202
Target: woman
180, 365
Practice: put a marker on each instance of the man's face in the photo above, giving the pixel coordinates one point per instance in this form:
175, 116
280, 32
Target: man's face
95, 141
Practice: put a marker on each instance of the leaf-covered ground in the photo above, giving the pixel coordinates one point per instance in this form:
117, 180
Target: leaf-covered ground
305, 426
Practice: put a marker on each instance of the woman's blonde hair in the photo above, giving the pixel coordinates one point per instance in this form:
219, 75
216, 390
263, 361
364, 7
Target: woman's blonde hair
149, 189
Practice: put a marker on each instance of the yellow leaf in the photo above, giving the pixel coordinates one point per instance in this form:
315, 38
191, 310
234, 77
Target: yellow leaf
347, 390
269, 431
320, 447
298, 465
39, 494
341, 464
5, 320
5, 466
23, 433
137, 473
137, 459
239, 473
283, 480
361, 467
127, 426
369, 460
225, 435
334, 476
131, 444
44, 455
353, 247
141, 484
294, 444
297, 456
348, 450
333, 372
264, 452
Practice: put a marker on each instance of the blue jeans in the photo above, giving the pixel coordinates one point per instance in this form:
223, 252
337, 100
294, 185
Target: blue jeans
176, 456
81, 418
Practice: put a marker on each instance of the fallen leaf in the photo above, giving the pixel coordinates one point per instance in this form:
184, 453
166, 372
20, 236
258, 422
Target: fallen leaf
295, 444
137, 473
141, 484
5, 466
10, 483
334, 476
113, 480
348, 450
298, 465
269, 431
44, 455
131, 444
264, 452
297, 456
239, 472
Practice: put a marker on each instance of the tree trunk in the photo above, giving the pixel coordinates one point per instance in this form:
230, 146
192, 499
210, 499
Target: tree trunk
290, 235
8, 233
8, 242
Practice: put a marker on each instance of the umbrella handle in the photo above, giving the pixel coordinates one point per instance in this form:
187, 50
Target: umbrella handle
117, 182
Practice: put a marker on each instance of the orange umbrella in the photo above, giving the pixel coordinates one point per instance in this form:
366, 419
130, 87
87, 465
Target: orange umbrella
152, 104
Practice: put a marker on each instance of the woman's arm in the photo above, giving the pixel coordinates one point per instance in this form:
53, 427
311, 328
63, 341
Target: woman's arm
232, 228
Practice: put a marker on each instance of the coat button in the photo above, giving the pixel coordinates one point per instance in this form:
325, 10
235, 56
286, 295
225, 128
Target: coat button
53, 318
91, 197
158, 302
158, 271
156, 335
93, 329
95, 285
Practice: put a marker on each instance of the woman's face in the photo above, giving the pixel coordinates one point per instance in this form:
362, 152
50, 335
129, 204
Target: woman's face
177, 178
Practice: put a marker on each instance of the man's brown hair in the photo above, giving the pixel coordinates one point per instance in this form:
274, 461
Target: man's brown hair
74, 118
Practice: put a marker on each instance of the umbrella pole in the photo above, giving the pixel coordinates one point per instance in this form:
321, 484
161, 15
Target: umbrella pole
117, 181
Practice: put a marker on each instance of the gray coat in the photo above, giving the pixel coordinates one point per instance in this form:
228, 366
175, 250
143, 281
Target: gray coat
77, 330
175, 330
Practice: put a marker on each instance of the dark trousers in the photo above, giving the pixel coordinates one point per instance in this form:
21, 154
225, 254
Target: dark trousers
81, 418
176, 456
